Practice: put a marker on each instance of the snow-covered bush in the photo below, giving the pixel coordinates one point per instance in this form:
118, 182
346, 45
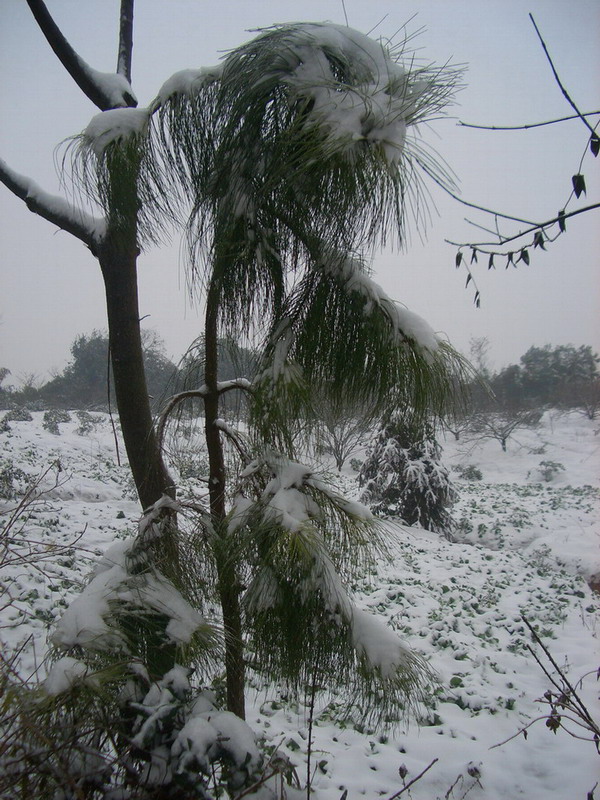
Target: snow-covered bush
469, 472
52, 419
403, 476
87, 422
18, 414
13, 480
57, 739
105, 687
548, 470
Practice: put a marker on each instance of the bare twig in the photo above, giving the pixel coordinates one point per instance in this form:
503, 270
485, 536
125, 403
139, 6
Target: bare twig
414, 780
486, 210
566, 95
565, 704
529, 125
538, 231
522, 730
580, 706
480, 246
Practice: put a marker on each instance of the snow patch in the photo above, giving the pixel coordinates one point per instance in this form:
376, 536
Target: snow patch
380, 645
64, 674
187, 82
376, 109
114, 125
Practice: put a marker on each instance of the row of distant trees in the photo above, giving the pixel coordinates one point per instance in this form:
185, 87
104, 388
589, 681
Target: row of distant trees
86, 381
560, 376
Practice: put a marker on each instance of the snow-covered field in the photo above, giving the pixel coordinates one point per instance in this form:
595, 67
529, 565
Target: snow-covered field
526, 546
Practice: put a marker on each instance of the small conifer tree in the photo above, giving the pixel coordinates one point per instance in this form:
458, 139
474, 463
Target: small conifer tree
403, 477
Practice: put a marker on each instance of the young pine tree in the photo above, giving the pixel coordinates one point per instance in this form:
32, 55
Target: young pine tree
404, 477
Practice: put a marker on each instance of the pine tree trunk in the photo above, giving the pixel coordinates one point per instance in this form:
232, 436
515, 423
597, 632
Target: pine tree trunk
229, 589
118, 262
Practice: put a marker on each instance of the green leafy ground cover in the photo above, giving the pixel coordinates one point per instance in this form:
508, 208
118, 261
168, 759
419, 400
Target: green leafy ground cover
525, 545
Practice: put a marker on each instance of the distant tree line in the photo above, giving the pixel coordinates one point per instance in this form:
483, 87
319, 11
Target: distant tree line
86, 381
560, 376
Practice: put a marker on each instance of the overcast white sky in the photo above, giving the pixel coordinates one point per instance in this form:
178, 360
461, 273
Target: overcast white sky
51, 289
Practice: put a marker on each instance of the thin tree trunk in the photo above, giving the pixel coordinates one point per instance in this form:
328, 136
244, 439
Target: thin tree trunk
229, 589
119, 269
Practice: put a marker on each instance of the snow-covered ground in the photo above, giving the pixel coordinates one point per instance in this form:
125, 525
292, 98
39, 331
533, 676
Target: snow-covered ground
526, 546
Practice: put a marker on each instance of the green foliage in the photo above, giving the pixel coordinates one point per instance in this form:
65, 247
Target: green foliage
87, 422
469, 472
53, 418
281, 206
18, 414
298, 544
242, 156
59, 738
15, 414
550, 469
4, 392
13, 480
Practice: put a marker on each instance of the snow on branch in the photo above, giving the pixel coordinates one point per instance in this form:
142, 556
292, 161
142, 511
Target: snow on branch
53, 208
377, 97
186, 83
91, 621
380, 645
105, 90
114, 125
405, 323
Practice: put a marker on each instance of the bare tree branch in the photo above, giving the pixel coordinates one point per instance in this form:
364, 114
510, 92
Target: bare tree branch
538, 231
566, 95
125, 40
200, 393
104, 90
489, 210
529, 125
53, 208
503, 240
